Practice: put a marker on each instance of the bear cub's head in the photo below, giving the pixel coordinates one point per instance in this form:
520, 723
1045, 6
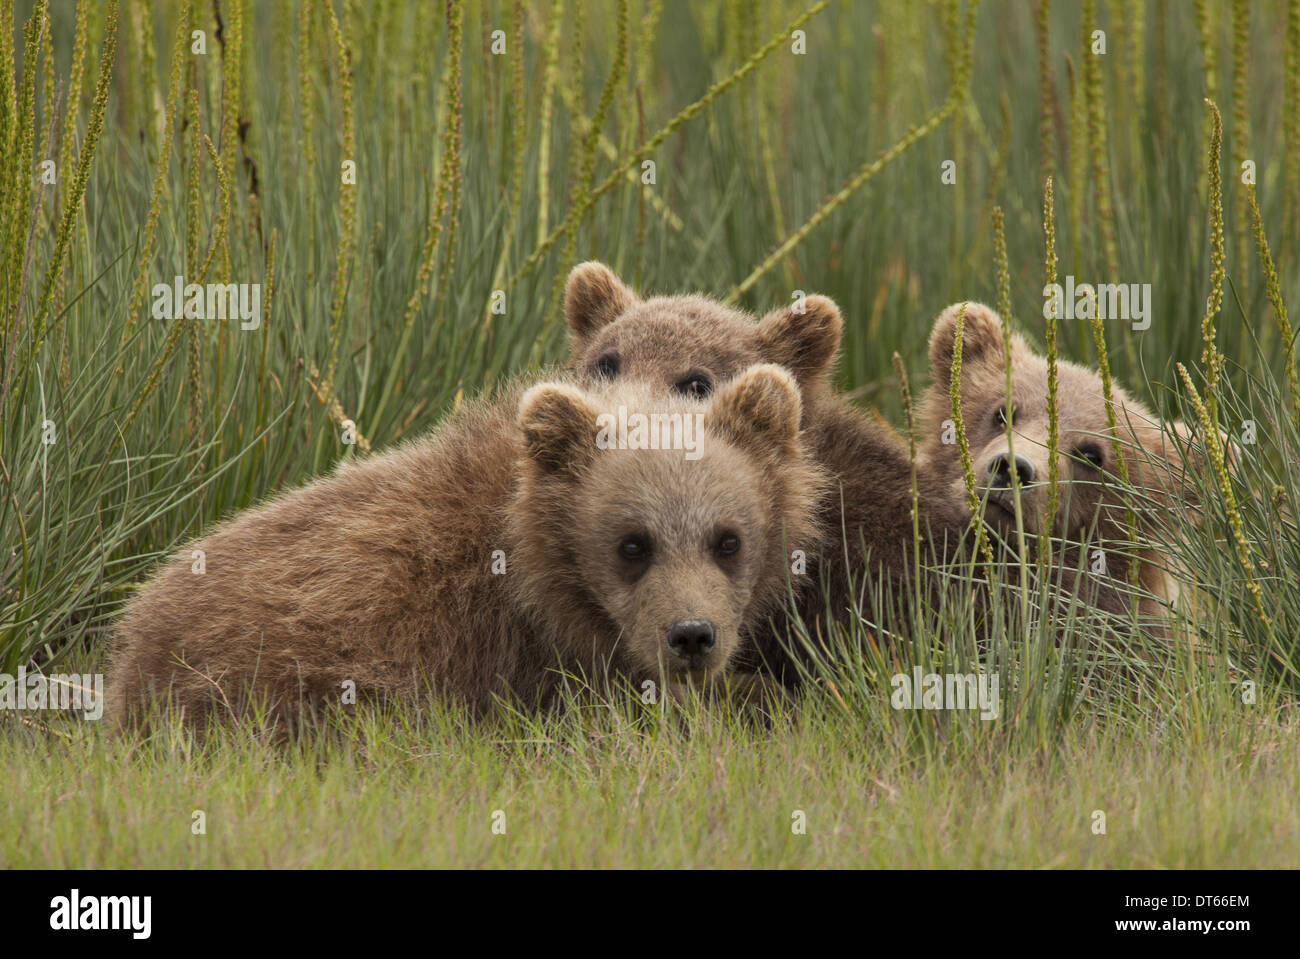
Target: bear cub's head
688, 344
1085, 452
663, 523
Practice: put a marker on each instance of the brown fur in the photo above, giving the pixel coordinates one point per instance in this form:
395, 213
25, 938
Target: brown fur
673, 343
382, 572
663, 340
1087, 505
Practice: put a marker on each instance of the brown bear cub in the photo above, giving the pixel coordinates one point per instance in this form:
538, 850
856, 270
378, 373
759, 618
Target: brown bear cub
531, 534
1089, 506
687, 344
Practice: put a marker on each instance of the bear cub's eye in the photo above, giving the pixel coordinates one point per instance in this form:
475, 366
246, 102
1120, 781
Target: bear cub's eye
635, 548
1000, 416
1089, 453
607, 366
728, 544
697, 384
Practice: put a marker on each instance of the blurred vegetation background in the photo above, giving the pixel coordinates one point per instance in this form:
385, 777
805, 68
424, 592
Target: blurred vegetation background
479, 171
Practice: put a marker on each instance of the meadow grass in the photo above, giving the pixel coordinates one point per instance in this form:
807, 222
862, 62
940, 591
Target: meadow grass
479, 178
613, 784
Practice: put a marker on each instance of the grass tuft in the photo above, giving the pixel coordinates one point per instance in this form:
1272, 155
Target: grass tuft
1053, 379
1211, 358
1274, 287
983, 546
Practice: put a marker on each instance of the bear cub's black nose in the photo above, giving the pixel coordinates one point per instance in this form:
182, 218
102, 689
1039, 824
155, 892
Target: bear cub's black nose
1000, 471
691, 637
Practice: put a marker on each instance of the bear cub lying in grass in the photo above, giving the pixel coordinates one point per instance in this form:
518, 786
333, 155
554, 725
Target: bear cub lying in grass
480, 561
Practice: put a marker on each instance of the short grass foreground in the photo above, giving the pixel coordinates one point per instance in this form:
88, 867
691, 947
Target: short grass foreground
408, 186
621, 787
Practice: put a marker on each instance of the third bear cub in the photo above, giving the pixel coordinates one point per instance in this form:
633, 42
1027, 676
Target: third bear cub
1089, 505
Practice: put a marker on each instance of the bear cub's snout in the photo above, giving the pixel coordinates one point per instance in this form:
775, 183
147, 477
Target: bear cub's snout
692, 640
1001, 468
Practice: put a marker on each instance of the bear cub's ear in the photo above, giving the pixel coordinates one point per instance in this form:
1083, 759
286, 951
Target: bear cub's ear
981, 339
559, 427
593, 298
759, 411
804, 338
